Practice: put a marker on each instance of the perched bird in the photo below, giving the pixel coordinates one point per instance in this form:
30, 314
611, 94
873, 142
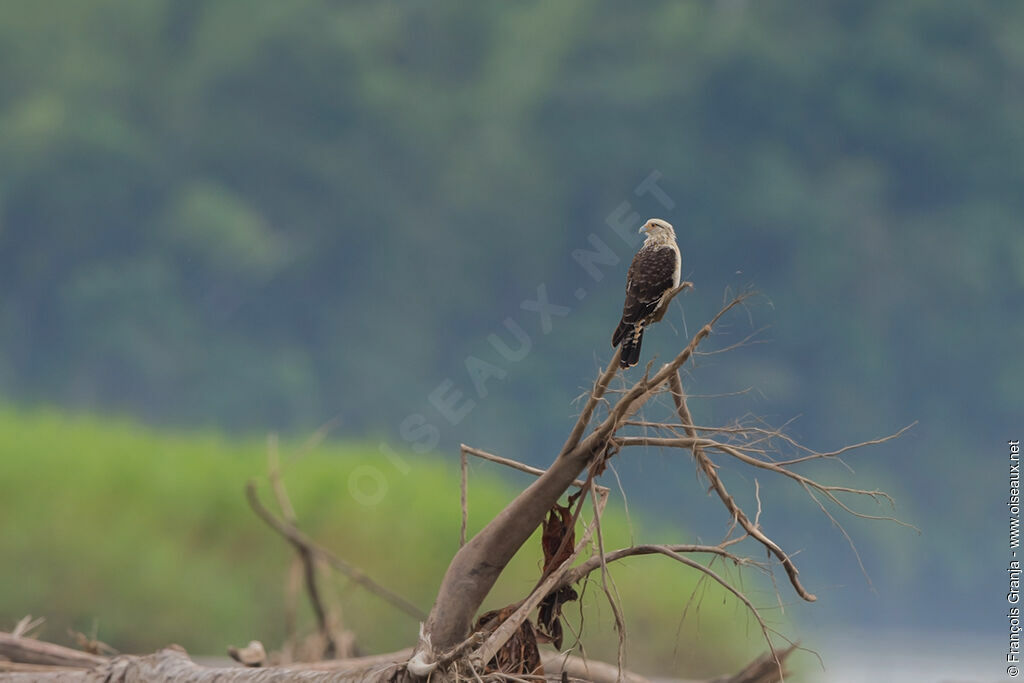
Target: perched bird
653, 274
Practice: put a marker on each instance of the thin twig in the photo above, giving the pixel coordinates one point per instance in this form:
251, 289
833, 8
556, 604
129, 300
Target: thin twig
316, 438
463, 485
581, 570
742, 453
514, 464
765, 631
276, 483
26, 625
844, 449
600, 386
610, 593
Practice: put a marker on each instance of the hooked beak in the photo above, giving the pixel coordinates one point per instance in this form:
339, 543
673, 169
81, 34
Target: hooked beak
644, 228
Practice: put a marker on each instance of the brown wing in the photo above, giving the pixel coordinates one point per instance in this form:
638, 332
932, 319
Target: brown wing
650, 276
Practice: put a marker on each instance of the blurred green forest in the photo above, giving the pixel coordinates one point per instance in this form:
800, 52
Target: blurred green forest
263, 215
145, 538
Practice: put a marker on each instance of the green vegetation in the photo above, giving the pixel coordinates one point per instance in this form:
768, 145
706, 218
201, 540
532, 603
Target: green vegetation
196, 212
147, 536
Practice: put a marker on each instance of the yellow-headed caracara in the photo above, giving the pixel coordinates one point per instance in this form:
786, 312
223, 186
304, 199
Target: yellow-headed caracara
653, 274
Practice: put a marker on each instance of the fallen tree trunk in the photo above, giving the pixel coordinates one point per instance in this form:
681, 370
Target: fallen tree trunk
35, 660
173, 664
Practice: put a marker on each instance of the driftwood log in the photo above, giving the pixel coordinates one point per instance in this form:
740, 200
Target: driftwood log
23, 660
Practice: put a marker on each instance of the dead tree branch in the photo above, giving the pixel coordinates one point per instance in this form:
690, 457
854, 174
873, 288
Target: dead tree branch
477, 565
735, 511
508, 462
32, 651
581, 570
480, 561
304, 548
297, 538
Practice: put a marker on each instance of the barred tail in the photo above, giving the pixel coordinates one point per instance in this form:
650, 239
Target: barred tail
630, 335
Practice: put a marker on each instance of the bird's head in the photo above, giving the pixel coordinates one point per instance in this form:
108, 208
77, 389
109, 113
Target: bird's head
658, 230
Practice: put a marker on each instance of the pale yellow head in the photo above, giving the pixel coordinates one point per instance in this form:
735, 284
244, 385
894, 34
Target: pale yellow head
658, 231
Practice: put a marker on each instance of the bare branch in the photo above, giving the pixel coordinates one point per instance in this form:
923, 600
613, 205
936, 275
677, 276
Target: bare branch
741, 453
316, 438
514, 464
305, 555
737, 513
765, 631
463, 485
477, 565
309, 568
26, 625
643, 389
276, 483
31, 651
828, 491
833, 454
587, 670
613, 599
581, 570
658, 441
297, 538
667, 299
600, 386
746, 341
